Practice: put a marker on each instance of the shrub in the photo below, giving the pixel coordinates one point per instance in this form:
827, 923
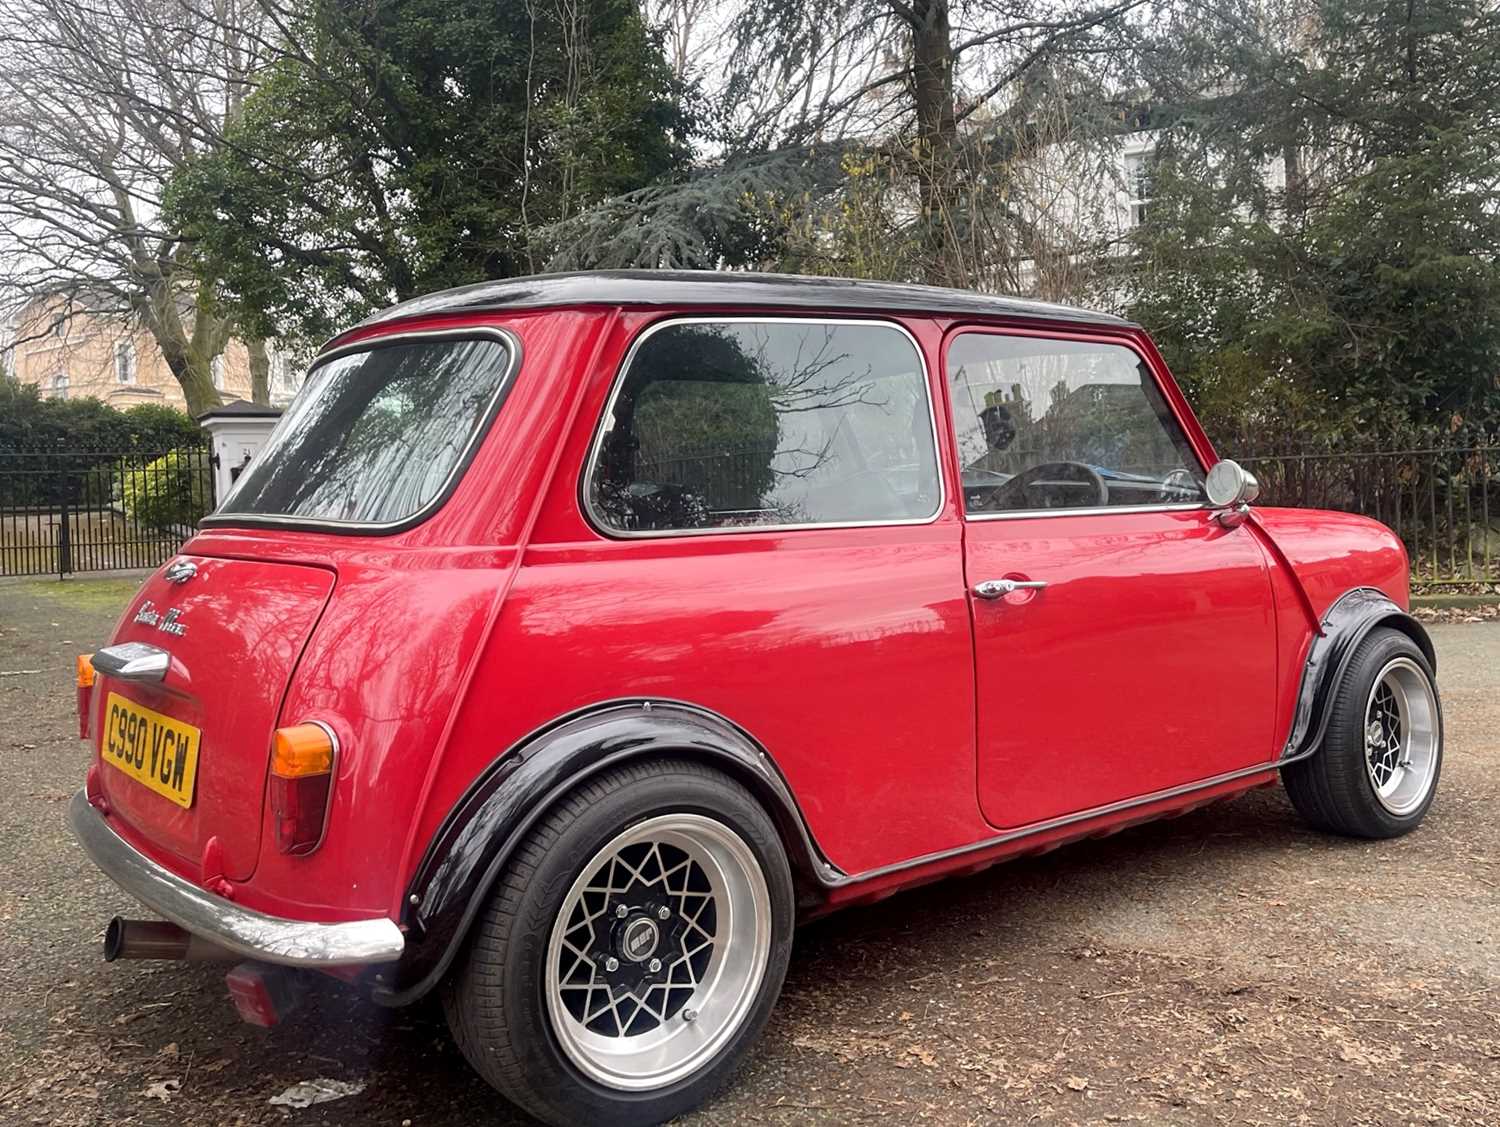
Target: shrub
155, 426
72, 450
30, 424
174, 491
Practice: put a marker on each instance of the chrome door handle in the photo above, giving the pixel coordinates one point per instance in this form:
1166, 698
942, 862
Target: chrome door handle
998, 588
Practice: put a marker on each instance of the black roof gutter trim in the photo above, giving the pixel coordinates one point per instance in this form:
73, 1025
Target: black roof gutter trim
744, 289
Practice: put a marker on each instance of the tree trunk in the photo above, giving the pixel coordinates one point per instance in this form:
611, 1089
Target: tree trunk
937, 130
260, 371
1296, 184
195, 378
190, 366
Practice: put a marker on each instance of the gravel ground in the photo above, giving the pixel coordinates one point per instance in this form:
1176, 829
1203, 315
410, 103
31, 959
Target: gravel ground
1225, 967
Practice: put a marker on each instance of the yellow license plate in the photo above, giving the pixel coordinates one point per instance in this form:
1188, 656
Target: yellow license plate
151, 748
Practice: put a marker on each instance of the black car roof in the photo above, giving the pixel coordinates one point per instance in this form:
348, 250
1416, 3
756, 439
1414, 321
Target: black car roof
679, 288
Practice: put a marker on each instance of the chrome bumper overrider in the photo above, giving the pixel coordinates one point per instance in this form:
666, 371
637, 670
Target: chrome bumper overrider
267, 939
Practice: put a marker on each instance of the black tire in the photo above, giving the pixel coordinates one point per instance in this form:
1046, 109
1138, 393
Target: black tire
495, 998
1333, 790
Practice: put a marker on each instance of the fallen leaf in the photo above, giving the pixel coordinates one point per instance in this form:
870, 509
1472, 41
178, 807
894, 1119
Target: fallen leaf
162, 1090
1076, 1083
319, 1091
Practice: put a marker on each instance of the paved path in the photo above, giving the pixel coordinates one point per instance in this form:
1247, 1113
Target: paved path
1226, 967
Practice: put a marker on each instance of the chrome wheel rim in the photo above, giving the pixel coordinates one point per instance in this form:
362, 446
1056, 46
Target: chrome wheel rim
1401, 736
658, 951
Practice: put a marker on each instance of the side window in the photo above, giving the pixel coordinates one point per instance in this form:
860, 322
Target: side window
742, 424
1056, 424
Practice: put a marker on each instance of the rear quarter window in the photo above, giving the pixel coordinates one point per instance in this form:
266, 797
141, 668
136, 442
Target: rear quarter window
743, 424
379, 433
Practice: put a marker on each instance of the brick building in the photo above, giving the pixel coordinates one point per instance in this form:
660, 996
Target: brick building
108, 356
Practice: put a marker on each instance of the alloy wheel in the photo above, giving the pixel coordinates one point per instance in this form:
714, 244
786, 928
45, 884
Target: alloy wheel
1401, 736
658, 951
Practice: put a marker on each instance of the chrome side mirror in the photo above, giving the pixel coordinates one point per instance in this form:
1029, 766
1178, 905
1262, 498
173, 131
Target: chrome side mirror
1231, 488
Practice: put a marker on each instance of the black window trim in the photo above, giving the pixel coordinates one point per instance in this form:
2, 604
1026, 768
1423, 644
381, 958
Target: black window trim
512, 344
1092, 510
595, 519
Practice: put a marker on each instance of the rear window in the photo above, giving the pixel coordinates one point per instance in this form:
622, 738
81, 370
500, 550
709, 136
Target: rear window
377, 435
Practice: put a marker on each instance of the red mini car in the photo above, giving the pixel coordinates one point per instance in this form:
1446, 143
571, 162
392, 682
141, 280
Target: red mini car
575, 635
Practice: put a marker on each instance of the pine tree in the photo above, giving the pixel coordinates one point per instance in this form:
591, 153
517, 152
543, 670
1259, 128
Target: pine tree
408, 146
1324, 241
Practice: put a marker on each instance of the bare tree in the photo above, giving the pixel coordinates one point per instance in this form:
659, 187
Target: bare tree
100, 101
689, 27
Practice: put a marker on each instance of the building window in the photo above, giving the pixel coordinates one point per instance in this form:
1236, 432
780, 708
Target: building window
124, 361
60, 385
281, 371
216, 370
1139, 184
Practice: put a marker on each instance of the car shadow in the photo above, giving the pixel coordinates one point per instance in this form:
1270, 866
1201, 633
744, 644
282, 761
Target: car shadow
411, 1068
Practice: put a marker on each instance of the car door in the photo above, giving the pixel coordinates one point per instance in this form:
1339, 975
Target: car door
1139, 653
765, 532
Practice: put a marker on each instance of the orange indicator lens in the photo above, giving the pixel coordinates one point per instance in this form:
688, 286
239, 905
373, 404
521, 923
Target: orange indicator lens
305, 749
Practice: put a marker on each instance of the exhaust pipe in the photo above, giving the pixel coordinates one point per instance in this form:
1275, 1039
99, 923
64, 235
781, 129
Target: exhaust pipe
158, 939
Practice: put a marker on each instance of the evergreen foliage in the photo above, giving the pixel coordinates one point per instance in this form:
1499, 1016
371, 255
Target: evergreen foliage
880, 138
715, 216
406, 147
1357, 290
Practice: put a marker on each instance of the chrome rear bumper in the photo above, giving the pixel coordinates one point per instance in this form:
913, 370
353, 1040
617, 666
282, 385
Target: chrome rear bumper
266, 939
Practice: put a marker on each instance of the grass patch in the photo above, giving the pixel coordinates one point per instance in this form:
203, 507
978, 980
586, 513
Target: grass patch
84, 594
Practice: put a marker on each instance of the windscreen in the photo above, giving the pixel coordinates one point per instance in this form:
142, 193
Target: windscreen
376, 435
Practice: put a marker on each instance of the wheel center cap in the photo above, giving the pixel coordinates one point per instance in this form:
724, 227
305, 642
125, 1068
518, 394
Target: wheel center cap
1374, 733
638, 939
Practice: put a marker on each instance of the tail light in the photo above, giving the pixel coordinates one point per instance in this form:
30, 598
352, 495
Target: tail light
302, 767
85, 694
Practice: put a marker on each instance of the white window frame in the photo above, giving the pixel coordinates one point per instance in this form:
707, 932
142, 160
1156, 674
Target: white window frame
1136, 162
125, 361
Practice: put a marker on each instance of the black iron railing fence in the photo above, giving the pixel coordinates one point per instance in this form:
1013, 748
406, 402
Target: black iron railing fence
62, 512
1444, 502
733, 481
67, 511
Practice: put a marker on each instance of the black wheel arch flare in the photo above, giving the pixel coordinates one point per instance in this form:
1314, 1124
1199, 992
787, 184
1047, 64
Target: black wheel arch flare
467, 854
470, 849
1345, 624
